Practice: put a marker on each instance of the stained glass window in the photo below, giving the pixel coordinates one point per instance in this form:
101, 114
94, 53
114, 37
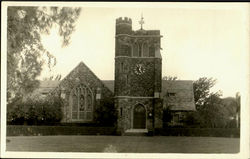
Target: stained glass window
81, 103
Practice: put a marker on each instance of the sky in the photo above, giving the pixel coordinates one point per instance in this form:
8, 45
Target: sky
198, 41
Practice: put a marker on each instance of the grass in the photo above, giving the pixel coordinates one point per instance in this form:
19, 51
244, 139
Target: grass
127, 144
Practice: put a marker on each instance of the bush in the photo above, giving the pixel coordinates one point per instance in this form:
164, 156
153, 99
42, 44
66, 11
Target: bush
204, 132
167, 116
34, 111
105, 113
25, 130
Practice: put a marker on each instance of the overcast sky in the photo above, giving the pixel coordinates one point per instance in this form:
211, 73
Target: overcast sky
198, 40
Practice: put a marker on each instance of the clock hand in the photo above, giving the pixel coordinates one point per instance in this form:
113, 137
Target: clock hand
140, 69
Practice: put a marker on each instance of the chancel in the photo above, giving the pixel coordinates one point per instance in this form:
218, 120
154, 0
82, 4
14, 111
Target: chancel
138, 91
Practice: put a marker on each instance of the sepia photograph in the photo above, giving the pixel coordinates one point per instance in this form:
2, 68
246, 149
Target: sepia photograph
125, 80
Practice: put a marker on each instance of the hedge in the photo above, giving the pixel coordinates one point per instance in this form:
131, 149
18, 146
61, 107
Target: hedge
204, 132
25, 130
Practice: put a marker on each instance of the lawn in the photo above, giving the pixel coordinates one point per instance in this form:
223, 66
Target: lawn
133, 144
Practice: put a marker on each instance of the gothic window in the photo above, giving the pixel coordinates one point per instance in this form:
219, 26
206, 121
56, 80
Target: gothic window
151, 51
125, 50
81, 103
140, 50
135, 50
145, 50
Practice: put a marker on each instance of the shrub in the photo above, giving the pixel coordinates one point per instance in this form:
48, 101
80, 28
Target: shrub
204, 132
34, 111
27, 130
105, 113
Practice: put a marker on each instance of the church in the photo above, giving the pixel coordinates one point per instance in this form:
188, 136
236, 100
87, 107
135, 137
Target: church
138, 91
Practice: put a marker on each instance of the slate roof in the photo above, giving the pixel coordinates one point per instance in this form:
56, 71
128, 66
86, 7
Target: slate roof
47, 85
178, 95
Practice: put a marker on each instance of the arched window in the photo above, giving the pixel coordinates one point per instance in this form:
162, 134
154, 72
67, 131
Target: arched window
145, 50
135, 50
140, 50
151, 51
81, 103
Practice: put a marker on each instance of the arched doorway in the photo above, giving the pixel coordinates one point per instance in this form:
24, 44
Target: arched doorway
139, 117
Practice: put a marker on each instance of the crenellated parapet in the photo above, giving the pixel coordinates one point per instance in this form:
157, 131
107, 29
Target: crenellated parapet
125, 20
123, 26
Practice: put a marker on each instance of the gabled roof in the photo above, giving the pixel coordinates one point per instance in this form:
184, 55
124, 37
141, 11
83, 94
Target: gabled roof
183, 98
48, 85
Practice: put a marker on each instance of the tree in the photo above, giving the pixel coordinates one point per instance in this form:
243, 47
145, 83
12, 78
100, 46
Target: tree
213, 113
170, 78
25, 52
202, 90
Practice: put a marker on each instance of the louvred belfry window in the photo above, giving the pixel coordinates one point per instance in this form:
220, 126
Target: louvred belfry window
81, 103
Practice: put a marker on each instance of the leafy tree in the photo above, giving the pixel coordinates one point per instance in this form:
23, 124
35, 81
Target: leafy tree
212, 112
25, 52
170, 78
202, 90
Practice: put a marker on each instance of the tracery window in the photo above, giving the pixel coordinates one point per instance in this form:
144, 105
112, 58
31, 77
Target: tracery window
135, 50
151, 51
82, 103
145, 50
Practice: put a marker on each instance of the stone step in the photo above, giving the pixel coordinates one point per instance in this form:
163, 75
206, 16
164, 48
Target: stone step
136, 132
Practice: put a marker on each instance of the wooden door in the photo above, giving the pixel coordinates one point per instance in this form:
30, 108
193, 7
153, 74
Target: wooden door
139, 117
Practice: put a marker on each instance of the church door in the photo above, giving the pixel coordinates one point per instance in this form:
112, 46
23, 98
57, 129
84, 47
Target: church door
139, 117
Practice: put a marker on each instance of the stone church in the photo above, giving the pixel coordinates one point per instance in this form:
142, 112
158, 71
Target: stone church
138, 91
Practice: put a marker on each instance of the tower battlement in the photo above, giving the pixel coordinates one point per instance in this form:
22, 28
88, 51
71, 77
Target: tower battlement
123, 20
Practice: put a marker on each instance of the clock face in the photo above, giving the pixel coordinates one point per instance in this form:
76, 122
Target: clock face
139, 69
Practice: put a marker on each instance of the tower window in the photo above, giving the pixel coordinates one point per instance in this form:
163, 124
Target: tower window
151, 51
140, 50
145, 50
135, 50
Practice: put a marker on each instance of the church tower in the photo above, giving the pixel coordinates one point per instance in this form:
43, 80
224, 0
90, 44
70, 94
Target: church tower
138, 72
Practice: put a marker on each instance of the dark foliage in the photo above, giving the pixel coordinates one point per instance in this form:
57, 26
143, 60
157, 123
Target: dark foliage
167, 116
24, 130
35, 112
106, 114
204, 132
25, 52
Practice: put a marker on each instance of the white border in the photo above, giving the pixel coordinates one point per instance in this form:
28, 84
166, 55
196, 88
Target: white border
244, 141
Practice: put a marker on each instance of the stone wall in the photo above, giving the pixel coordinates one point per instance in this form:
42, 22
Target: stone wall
128, 83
